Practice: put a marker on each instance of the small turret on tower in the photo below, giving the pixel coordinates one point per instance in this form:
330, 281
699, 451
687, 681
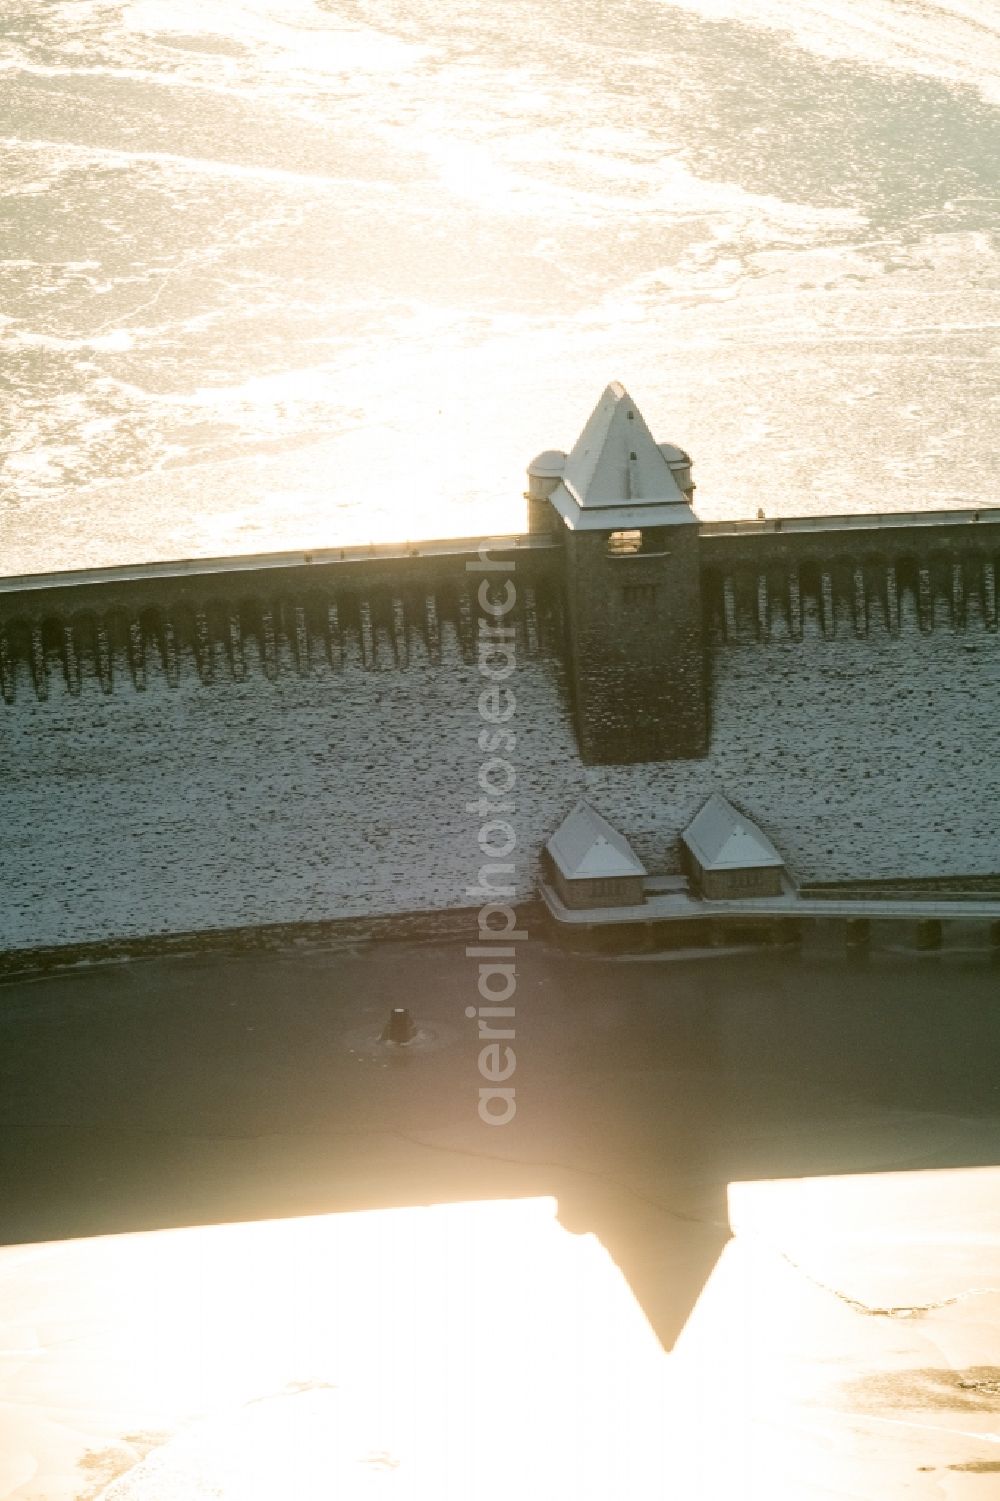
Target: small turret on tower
679, 463
544, 474
633, 587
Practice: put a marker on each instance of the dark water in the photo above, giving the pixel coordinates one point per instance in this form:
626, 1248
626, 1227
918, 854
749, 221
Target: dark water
200, 1090
288, 273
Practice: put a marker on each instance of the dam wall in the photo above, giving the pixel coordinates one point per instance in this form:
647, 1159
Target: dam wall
206, 746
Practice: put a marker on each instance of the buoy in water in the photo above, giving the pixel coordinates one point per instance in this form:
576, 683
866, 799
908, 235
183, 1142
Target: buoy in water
399, 1028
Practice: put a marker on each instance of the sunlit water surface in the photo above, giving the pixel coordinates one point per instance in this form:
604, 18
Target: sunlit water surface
294, 272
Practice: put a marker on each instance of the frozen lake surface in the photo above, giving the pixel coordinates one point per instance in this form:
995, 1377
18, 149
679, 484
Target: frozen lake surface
304, 271
674, 1075
437, 1332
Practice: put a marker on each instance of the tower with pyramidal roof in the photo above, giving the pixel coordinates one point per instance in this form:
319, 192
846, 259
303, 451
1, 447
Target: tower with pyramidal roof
622, 505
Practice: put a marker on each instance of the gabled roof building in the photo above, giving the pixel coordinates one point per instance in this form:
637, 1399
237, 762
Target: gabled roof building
727, 855
591, 864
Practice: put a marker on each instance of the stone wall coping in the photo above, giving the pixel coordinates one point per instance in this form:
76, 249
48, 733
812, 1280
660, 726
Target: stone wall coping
262, 562
858, 521
458, 546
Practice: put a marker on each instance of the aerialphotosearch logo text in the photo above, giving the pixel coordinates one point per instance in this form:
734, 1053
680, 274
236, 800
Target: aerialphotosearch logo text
498, 933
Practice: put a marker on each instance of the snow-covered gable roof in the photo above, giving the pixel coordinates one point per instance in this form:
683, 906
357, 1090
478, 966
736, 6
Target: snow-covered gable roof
617, 475
722, 839
586, 847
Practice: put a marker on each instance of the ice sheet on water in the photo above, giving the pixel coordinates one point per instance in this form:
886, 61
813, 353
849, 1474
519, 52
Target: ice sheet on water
357, 261
958, 40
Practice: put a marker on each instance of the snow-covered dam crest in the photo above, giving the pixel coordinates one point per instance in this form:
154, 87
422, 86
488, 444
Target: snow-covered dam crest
281, 740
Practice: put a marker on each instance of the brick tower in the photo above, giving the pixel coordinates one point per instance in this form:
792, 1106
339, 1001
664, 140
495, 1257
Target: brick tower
622, 504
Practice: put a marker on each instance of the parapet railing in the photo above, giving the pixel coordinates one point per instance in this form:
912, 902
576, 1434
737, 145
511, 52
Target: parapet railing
855, 521
455, 546
261, 562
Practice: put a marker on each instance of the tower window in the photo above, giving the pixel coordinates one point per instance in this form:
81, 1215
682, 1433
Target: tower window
624, 544
640, 597
652, 542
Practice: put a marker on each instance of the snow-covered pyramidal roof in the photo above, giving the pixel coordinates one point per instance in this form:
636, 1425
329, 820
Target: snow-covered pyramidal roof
722, 839
616, 476
586, 847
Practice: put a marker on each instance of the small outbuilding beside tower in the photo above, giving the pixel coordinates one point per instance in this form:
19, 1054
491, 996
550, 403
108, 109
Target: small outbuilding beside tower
727, 856
590, 864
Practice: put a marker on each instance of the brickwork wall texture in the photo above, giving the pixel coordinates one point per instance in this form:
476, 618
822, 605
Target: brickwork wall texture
336, 794
635, 628
861, 756
342, 793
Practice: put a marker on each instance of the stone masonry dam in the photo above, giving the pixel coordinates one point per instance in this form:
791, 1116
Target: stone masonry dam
244, 742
